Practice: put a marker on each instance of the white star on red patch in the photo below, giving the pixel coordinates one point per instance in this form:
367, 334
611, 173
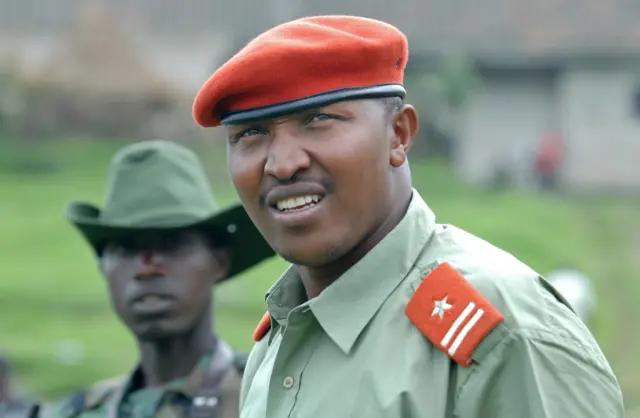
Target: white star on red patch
440, 307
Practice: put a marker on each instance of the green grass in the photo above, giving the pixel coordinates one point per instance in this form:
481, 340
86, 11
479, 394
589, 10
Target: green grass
51, 291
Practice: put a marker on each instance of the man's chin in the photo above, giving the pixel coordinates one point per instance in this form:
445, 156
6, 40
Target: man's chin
154, 331
311, 258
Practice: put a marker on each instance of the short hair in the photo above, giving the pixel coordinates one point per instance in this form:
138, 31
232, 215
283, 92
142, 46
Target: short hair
391, 104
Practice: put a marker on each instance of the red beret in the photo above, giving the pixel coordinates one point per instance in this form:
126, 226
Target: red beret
303, 64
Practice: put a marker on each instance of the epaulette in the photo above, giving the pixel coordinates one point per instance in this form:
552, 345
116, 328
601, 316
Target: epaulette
451, 313
263, 327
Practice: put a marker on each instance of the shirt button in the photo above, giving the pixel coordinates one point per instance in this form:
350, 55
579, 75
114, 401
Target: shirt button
287, 382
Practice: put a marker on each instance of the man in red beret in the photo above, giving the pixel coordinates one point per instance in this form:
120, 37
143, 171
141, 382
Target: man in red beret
384, 312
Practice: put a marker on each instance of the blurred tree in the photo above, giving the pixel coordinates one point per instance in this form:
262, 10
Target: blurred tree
20, 154
11, 99
96, 83
443, 94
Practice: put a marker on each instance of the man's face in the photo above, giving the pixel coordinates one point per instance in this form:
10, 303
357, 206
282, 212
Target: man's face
317, 183
161, 283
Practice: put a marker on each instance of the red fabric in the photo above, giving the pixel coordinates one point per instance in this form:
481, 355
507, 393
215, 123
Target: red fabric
550, 154
263, 327
451, 313
303, 58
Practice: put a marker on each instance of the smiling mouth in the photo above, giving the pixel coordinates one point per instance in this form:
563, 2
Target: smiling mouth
298, 203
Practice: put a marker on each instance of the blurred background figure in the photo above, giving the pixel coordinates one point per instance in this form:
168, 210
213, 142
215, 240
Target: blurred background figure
549, 161
578, 289
12, 405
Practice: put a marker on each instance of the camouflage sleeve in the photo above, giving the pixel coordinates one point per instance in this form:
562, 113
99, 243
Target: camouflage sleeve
70, 407
34, 411
77, 402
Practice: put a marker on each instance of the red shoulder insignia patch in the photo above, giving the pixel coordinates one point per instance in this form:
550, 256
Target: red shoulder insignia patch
451, 313
263, 327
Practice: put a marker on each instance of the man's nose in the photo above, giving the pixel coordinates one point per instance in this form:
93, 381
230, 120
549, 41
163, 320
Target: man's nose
150, 262
286, 157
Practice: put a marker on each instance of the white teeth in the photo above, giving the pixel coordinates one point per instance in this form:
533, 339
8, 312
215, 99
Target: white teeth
297, 202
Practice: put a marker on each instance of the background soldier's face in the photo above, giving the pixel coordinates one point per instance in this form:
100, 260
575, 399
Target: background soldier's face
315, 183
161, 283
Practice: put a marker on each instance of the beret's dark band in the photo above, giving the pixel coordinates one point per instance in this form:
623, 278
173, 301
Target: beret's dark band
306, 103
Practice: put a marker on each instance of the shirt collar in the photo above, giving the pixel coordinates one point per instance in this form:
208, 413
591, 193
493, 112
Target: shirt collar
188, 385
346, 307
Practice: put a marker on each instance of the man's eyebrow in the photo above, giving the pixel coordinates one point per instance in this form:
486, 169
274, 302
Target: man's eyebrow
235, 128
330, 108
232, 129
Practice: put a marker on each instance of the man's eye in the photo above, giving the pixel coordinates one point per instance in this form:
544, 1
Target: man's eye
318, 117
247, 133
119, 248
174, 243
251, 132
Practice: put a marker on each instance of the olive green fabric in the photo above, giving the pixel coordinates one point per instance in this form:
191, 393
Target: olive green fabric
172, 400
352, 351
161, 185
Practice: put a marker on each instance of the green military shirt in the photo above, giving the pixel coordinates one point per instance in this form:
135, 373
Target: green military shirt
122, 397
353, 352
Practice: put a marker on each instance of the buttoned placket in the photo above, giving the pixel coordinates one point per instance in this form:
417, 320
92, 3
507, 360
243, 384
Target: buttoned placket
291, 360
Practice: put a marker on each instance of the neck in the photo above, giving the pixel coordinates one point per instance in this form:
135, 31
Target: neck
316, 279
174, 357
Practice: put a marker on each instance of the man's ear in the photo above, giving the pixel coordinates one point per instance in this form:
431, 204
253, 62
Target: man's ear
404, 124
222, 258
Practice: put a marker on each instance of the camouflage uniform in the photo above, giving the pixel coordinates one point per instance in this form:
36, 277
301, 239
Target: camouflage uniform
195, 396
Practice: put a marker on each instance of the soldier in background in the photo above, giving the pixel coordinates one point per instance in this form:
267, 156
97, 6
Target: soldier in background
162, 244
548, 161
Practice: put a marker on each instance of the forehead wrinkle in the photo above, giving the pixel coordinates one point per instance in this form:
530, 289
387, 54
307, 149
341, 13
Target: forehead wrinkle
280, 120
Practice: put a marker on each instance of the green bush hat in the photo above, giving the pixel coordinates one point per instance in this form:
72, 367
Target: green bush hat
159, 185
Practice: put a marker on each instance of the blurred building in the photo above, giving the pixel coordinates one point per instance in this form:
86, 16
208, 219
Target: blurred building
179, 39
568, 68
